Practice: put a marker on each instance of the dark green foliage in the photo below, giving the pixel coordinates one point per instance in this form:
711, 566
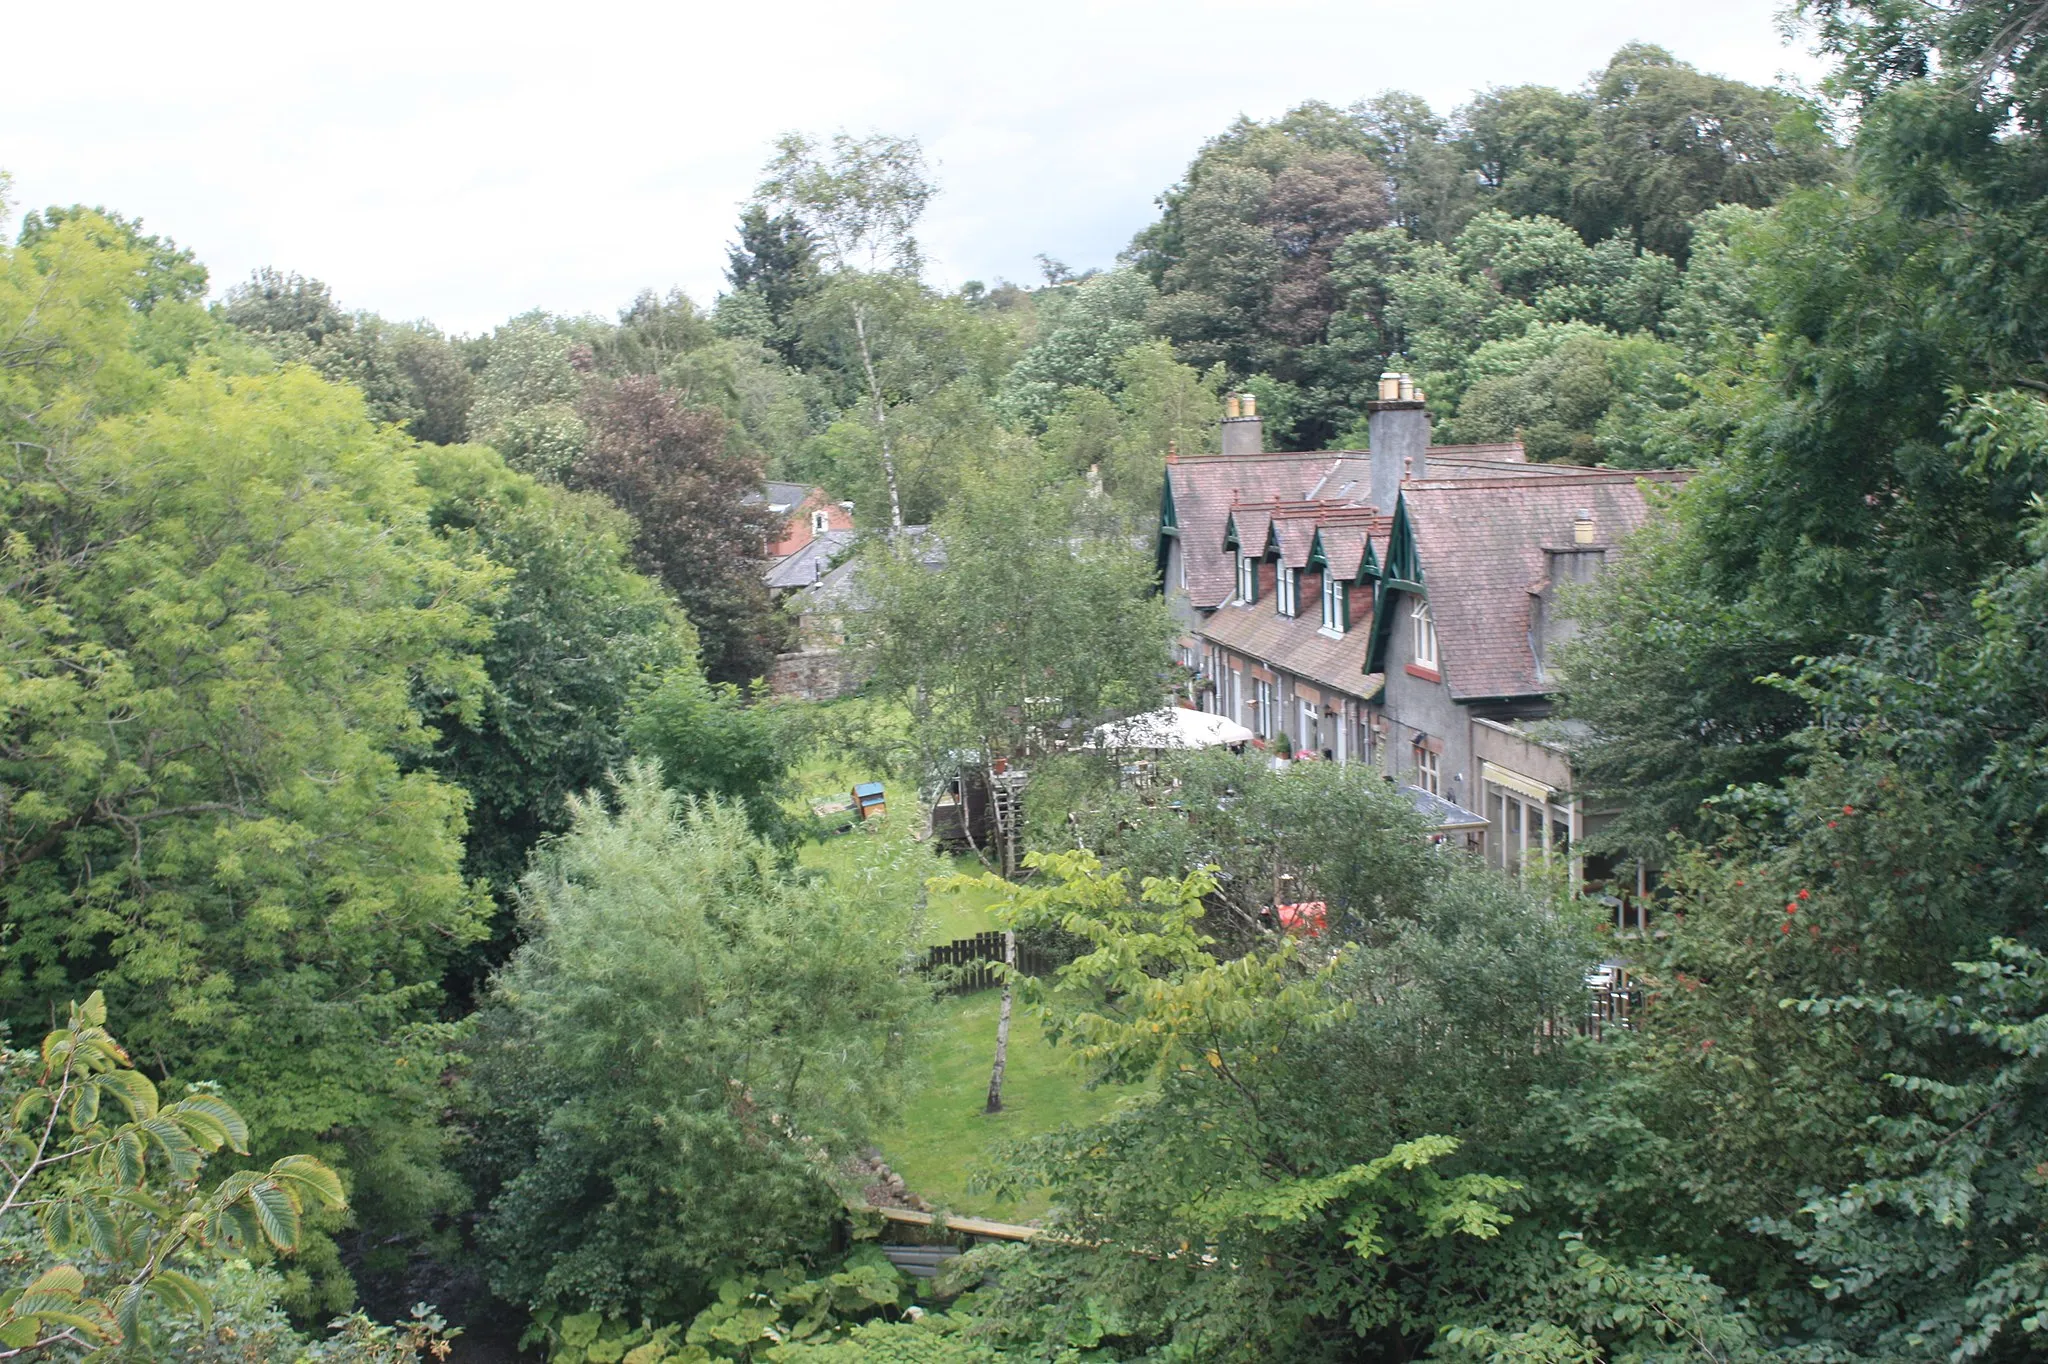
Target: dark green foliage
1667, 142
409, 374
674, 1061
776, 262
1340, 834
575, 637
711, 742
672, 469
1288, 1129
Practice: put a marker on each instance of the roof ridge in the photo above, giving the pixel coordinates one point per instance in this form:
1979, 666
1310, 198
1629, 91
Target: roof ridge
1552, 480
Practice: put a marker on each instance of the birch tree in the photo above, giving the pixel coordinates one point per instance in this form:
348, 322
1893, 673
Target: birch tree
859, 198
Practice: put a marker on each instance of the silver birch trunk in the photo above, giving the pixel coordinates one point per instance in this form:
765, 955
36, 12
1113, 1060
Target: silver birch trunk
995, 1075
867, 363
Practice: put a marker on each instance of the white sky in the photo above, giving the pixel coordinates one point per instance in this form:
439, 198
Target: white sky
465, 162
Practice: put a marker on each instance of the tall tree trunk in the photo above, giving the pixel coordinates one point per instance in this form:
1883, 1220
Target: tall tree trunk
867, 363
995, 1076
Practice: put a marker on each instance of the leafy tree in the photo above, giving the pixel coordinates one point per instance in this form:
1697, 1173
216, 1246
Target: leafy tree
775, 262
1522, 140
859, 204
1669, 142
1339, 834
672, 469
576, 637
409, 375
168, 271
1861, 470
672, 1063
711, 742
1015, 623
1159, 405
114, 1244
1290, 1127
653, 333
1433, 191
226, 591
937, 361
526, 399
1243, 249
1085, 328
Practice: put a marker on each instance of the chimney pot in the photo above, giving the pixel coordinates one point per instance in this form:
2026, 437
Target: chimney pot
1398, 439
1582, 527
1248, 403
1230, 408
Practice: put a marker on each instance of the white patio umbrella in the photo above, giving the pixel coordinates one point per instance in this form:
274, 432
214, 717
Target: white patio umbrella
1173, 727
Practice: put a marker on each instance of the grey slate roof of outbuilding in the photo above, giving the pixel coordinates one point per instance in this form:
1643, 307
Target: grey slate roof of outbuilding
803, 567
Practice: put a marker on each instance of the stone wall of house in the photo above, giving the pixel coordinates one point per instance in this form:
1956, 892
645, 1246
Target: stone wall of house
812, 675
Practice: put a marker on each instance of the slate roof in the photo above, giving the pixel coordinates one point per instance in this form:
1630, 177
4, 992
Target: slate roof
1481, 542
1206, 487
838, 589
803, 567
1297, 645
784, 497
1209, 489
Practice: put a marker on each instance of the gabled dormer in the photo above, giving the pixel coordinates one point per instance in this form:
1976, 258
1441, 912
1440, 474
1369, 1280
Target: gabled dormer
1286, 577
1402, 591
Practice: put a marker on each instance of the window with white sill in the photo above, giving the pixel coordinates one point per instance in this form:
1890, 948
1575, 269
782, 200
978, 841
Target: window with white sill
1247, 579
1290, 591
1424, 635
1265, 699
1333, 603
821, 521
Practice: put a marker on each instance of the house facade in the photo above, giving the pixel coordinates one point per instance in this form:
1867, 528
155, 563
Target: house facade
1395, 607
806, 513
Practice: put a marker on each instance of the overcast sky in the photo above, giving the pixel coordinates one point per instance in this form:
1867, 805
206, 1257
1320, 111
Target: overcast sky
465, 162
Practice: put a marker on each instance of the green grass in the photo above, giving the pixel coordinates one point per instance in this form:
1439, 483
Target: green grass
945, 1132
830, 777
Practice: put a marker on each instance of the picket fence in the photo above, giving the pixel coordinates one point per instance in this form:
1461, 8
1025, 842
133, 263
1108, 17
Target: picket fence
968, 964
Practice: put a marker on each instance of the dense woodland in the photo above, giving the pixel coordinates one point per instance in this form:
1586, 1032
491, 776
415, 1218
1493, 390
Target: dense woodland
381, 766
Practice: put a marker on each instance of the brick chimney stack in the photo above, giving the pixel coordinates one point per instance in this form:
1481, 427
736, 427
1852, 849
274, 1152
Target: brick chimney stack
1244, 431
1397, 427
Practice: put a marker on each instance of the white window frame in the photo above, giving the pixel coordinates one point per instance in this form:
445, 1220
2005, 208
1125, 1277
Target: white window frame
1333, 603
821, 521
1310, 728
1247, 579
1423, 631
1429, 770
1290, 591
1266, 699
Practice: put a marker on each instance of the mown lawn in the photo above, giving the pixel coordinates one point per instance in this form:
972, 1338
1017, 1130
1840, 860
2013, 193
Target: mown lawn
945, 1134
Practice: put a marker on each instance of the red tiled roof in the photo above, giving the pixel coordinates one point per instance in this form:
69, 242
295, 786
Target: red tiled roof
1297, 645
1481, 544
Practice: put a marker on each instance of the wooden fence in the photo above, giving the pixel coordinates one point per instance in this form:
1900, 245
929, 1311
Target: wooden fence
968, 963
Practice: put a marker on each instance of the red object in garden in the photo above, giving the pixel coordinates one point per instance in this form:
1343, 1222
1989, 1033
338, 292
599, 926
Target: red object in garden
1308, 919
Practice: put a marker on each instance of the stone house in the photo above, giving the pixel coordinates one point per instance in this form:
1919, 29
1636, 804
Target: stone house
1396, 606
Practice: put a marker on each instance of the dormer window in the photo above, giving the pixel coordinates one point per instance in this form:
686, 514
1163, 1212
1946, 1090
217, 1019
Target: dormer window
1424, 631
1290, 591
1334, 613
1247, 579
